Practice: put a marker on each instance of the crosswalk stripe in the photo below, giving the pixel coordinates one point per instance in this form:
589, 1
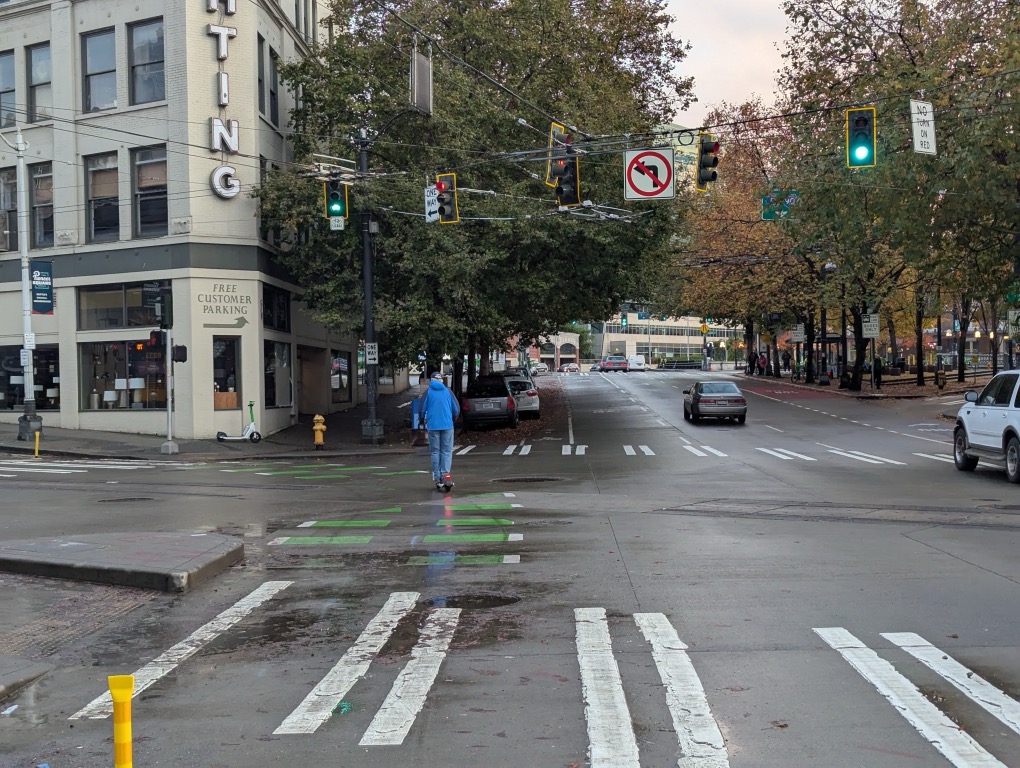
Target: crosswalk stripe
775, 453
701, 743
879, 458
565, 450
936, 456
525, 450
465, 450
796, 455
611, 740
646, 450
849, 455
1006, 709
713, 450
407, 696
509, 450
167, 662
629, 450
694, 450
943, 734
318, 705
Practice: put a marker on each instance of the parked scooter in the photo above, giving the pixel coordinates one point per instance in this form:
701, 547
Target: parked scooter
250, 432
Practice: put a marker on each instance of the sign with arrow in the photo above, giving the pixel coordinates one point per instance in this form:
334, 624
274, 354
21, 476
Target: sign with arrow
431, 204
648, 174
777, 203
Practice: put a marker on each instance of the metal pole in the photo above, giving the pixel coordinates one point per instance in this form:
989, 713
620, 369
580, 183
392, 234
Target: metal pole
169, 447
29, 421
371, 428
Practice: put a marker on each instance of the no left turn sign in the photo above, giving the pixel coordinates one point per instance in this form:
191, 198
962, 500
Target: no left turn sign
648, 174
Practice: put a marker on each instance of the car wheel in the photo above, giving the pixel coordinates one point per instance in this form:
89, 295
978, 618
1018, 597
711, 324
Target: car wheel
687, 414
963, 462
741, 419
1013, 460
694, 414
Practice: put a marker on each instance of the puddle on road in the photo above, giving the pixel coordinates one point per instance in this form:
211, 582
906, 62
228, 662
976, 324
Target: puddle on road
469, 602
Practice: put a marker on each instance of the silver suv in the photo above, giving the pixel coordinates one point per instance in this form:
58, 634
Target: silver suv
988, 426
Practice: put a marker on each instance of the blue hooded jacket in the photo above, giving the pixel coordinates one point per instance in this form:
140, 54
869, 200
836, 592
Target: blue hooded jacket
439, 406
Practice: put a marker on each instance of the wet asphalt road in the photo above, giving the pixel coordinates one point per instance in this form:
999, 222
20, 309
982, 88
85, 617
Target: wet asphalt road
726, 593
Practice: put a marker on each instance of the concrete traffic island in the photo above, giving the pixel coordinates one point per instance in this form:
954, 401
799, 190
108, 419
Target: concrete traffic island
169, 562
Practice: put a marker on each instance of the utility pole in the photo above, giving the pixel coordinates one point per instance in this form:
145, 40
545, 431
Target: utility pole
372, 427
29, 422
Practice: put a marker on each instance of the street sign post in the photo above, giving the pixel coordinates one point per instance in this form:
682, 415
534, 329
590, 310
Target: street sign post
371, 353
431, 204
922, 126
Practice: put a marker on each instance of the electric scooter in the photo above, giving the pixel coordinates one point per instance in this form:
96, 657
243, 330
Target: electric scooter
250, 432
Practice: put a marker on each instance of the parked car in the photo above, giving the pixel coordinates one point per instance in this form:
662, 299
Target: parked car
636, 363
515, 373
488, 400
988, 426
614, 363
526, 395
569, 368
539, 368
720, 399
594, 367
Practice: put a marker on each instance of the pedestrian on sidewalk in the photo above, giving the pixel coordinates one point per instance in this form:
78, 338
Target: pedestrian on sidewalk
438, 409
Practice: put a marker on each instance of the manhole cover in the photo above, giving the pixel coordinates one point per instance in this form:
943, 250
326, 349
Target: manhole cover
470, 601
525, 479
126, 498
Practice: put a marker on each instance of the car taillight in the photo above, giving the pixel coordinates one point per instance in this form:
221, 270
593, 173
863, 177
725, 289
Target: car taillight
510, 403
464, 404
707, 400
739, 401
531, 392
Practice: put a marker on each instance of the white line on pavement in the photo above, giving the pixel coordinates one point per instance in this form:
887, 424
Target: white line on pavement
878, 458
509, 450
462, 451
1006, 709
775, 453
646, 450
701, 743
945, 735
629, 450
525, 450
694, 450
167, 662
849, 455
407, 696
318, 705
936, 456
712, 450
565, 450
611, 741
511, 559
795, 454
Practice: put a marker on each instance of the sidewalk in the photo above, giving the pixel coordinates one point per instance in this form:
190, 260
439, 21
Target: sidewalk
342, 438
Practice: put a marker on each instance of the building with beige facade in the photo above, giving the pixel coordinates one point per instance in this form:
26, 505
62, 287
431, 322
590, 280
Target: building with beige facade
147, 124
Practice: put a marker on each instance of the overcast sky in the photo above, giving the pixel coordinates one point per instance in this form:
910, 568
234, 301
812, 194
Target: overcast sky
734, 51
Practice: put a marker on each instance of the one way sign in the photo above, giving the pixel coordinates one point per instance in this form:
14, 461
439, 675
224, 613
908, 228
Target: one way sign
431, 204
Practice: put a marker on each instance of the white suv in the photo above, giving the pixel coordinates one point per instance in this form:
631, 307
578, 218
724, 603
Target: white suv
988, 426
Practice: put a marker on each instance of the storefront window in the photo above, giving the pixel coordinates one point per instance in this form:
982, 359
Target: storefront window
275, 308
118, 306
340, 376
120, 375
226, 372
46, 377
278, 378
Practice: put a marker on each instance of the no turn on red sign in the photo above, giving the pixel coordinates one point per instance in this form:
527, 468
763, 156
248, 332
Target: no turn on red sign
648, 174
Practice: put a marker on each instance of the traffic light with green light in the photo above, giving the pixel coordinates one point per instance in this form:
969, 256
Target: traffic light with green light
334, 199
860, 137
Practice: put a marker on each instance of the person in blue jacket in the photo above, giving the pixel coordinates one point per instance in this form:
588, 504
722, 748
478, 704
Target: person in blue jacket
439, 409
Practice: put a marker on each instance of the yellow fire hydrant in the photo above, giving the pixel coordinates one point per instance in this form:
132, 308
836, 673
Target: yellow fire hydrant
318, 427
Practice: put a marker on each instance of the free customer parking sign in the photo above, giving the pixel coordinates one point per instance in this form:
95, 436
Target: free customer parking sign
648, 174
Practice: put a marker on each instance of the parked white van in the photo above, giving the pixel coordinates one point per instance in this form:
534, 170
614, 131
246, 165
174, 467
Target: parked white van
636, 362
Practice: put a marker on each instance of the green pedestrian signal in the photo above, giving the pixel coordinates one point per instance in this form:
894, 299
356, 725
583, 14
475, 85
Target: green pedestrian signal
860, 137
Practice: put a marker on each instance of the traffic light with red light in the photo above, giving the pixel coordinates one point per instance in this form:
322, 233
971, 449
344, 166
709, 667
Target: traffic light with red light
860, 138
558, 143
708, 160
568, 191
446, 195
157, 339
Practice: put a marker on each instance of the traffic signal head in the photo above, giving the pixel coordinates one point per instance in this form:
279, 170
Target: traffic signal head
157, 339
558, 142
334, 195
860, 137
568, 191
446, 193
708, 159
623, 320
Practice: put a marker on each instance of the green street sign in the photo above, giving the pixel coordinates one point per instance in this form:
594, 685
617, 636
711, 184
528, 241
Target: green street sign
777, 204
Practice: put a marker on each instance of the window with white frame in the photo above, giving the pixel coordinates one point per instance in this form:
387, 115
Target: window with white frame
40, 83
41, 204
8, 210
148, 165
147, 53
102, 202
8, 115
99, 68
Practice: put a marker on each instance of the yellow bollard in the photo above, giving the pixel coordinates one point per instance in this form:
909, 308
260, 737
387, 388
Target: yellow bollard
37, 443
121, 688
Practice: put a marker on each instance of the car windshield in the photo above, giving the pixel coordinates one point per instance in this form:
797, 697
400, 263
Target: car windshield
719, 388
487, 389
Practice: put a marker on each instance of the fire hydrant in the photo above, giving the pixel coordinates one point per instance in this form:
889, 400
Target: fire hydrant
318, 427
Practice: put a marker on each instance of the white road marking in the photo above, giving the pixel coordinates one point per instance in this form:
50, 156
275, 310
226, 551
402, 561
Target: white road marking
565, 450
168, 661
611, 740
581, 450
44, 470
795, 454
775, 453
511, 559
318, 705
525, 450
879, 458
849, 455
515, 537
407, 696
662, 423
701, 743
712, 450
278, 541
462, 451
1006, 709
646, 450
509, 450
936, 456
943, 734
629, 450
769, 426
694, 450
